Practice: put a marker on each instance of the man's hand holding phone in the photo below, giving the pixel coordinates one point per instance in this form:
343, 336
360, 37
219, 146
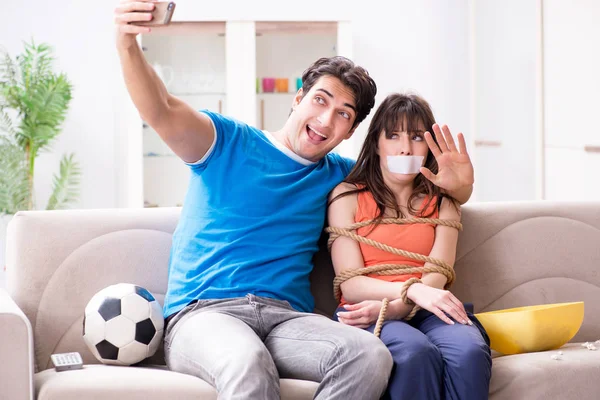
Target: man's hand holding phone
133, 17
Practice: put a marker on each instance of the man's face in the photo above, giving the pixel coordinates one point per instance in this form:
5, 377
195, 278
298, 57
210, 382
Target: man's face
321, 119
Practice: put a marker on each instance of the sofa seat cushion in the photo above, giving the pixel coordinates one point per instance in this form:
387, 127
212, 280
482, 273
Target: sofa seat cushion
104, 382
537, 376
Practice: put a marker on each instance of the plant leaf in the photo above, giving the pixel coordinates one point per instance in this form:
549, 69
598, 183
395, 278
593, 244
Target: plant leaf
65, 190
33, 105
14, 182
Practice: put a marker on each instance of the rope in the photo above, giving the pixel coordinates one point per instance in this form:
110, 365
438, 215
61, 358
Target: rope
439, 266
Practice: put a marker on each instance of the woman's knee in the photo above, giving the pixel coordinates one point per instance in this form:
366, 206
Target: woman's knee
418, 350
474, 355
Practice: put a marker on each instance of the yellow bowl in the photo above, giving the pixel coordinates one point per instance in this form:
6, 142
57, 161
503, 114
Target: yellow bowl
533, 328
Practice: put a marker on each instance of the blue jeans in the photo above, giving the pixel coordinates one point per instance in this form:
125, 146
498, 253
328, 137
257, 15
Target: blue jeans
243, 346
434, 360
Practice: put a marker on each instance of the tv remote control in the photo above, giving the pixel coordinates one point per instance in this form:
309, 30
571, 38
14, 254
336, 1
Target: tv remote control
66, 361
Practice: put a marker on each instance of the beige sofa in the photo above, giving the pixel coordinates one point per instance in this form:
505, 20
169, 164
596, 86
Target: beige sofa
510, 254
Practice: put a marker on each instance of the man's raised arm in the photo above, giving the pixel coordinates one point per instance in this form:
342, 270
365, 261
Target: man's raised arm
187, 132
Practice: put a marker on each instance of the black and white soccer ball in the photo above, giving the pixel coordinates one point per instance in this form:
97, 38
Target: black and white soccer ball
123, 324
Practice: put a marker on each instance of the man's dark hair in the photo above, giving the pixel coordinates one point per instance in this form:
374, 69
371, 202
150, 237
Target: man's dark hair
356, 78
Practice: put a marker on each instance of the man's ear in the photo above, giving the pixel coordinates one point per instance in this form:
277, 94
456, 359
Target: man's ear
297, 98
349, 134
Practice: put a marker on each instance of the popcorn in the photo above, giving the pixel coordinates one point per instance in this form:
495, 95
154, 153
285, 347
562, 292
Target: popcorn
590, 346
556, 357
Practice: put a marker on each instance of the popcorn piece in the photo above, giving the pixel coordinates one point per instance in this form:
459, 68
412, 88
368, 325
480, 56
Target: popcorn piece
556, 357
560, 353
591, 347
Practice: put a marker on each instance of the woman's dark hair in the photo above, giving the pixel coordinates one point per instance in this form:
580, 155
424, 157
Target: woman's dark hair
414, 113
356, 78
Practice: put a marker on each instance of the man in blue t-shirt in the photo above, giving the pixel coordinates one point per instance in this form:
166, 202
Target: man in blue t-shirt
238, 304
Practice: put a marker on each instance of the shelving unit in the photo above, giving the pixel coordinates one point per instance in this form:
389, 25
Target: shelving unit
214, 65
194, 53
295, 45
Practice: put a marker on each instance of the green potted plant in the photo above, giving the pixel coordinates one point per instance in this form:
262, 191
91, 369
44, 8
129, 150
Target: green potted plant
33, 105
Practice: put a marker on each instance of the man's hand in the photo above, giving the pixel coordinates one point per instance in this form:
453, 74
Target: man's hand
132, 11
455, 169
360, 315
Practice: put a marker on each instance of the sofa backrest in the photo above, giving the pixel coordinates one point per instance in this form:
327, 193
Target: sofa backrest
509, 255
57, 260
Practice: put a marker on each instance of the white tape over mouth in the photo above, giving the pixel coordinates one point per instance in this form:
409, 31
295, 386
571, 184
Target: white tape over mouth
405, 164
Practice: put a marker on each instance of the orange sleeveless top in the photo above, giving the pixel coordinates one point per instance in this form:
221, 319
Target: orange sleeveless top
416, 238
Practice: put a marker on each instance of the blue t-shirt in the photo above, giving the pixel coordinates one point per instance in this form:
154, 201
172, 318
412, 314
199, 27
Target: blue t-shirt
250, 222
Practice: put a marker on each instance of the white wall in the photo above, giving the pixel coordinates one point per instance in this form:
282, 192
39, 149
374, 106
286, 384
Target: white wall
420, 47
572, 84
265, 10
503, 104
84, 47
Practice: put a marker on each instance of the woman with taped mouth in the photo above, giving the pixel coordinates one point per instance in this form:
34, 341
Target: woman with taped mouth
393, 196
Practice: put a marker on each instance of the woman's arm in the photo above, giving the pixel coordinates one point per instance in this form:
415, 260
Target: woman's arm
430, 294
346, 254
444, 248
444, 245
463, 194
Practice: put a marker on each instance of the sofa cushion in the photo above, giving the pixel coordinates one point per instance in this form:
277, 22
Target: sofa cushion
105, 382
538, 376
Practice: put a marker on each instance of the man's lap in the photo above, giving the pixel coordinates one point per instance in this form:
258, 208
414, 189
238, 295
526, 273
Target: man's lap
285, 331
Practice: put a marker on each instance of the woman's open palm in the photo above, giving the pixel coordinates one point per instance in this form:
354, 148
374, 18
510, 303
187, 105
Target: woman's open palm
455, 169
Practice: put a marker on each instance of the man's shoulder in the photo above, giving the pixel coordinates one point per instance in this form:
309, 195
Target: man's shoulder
231, 130
225, 120
344, 163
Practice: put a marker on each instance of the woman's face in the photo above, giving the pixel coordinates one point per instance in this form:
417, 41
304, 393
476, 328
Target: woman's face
401, 143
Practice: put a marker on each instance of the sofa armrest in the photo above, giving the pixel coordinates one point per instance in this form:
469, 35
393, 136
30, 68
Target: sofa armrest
16, 351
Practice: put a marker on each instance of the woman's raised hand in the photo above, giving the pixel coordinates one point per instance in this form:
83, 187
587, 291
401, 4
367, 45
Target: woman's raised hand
455, 169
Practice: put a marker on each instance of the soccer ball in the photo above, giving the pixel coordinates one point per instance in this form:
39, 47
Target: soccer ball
123, 324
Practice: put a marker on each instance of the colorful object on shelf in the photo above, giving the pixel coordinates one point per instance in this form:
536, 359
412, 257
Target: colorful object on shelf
298, 83
282, 85
257, 85
268, 85
534, 328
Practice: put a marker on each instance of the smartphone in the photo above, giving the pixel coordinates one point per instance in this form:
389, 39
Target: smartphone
162, 14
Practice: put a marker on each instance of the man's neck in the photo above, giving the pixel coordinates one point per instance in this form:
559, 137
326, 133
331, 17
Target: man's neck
282, 138
281, 141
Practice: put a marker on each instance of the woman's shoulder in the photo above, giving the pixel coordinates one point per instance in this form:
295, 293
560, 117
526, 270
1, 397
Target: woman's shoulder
344, 188
342, 205
449, 209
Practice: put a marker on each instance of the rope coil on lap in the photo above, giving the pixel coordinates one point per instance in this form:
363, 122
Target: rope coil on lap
439, 266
